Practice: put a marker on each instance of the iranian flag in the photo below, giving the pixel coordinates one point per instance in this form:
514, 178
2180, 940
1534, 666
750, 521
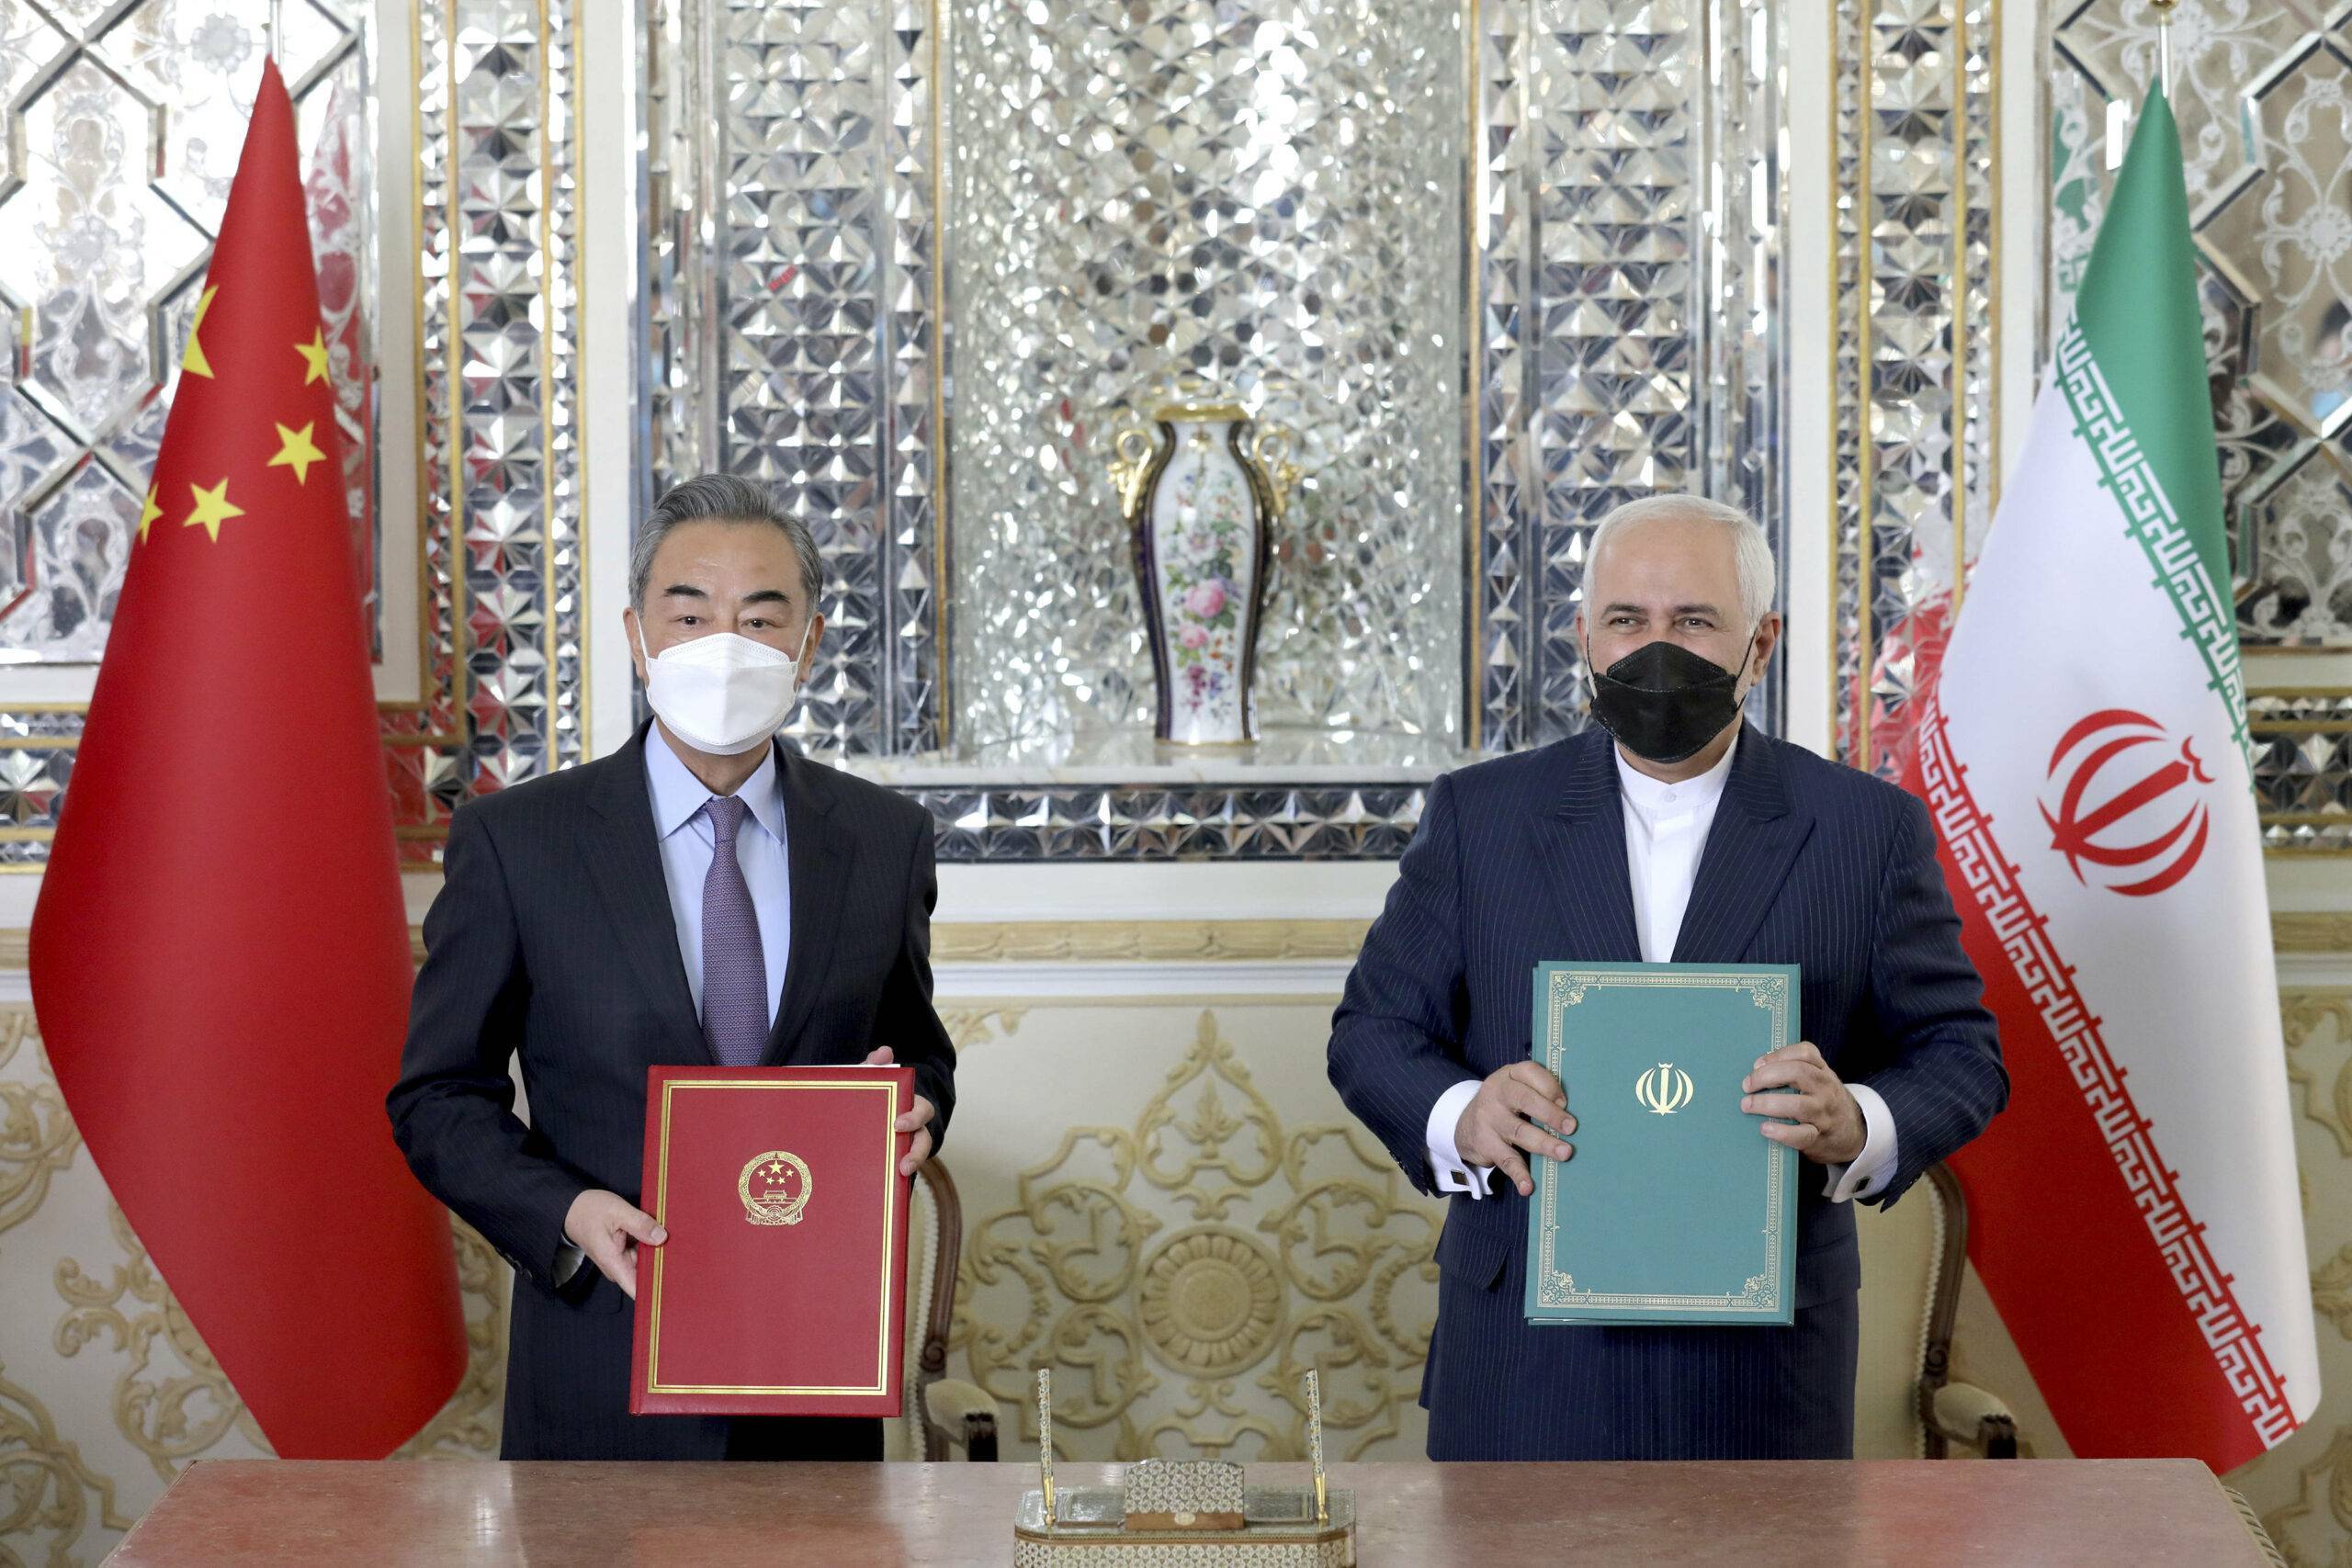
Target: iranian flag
2084, 751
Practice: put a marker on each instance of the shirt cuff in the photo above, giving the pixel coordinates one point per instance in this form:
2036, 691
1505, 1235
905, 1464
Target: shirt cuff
1874, 1166
1445, 1160
568, 1260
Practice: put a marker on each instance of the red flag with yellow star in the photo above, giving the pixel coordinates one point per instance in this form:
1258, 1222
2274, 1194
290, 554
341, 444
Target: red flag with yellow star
220, 954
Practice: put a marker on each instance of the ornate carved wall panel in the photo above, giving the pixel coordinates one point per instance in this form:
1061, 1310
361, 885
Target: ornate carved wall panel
1179, 1225
127, 121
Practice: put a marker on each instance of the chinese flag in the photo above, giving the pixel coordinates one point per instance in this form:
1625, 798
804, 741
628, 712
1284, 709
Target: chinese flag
220, 956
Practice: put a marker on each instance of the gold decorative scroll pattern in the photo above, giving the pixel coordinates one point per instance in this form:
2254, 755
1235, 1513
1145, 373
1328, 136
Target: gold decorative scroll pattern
80, 1468
1156, 1265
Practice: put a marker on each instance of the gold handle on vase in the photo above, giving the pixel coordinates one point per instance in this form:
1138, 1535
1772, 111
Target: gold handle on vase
1132, 449
1271, 446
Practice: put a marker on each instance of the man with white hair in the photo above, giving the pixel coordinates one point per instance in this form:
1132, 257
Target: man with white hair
1667, 831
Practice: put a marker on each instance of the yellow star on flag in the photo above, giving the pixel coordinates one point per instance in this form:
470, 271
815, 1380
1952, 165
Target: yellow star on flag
212, 508
148, 513
315, 352
193, 358
295, 451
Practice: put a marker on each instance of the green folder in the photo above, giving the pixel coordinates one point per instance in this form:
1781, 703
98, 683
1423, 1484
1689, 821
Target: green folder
1676, 1209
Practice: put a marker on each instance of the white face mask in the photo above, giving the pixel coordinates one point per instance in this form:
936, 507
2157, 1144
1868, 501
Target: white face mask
723, 694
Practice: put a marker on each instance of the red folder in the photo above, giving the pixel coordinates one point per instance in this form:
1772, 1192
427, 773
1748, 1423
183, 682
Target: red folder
782, 1287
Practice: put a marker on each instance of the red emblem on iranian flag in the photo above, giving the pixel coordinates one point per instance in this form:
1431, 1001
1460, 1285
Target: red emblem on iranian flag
2127, 801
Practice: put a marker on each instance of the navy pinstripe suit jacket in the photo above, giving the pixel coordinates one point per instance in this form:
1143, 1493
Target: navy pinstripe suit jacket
1521, 859
552, 937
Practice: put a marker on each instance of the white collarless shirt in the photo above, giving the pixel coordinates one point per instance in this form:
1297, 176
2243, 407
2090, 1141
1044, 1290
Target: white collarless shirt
1665, 834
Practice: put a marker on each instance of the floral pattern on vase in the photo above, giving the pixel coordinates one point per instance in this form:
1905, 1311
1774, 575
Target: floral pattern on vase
1201, 501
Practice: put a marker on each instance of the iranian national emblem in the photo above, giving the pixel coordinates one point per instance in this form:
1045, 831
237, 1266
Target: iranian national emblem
774, 1189
1665, 1088
2125, 798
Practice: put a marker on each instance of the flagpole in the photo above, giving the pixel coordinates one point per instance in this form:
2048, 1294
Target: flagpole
2164, 44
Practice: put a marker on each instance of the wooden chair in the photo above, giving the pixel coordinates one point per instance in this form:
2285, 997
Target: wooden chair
941, 1414
1906, 1405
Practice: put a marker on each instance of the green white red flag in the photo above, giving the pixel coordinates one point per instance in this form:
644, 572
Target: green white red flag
2083, 750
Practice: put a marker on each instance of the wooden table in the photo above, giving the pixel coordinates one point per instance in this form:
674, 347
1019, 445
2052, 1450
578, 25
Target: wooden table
1914, 1513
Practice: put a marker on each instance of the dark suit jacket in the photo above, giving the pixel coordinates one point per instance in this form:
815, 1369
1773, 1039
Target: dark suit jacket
1522, 860
552, 937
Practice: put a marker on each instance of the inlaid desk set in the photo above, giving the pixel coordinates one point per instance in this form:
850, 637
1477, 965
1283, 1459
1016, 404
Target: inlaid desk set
1184, 1514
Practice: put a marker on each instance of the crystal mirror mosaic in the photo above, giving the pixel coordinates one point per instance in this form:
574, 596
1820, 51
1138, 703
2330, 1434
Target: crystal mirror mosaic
1494, 267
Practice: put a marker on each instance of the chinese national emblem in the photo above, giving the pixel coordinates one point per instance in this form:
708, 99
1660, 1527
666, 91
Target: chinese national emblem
2127, 800
774, 1188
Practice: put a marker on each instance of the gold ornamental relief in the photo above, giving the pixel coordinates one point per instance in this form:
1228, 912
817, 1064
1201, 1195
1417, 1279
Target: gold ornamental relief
1212, 1302
967, 1027
37, 1138
170, 1417
1284, 1248
2317, 1024
173, 1417
2331, 1287
1243, 1143
2316, 1517
51, 1485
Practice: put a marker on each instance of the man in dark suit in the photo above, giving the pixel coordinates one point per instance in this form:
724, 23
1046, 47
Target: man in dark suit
700, 895
1669, 830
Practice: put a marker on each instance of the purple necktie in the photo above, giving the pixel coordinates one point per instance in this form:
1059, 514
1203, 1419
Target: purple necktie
734, 970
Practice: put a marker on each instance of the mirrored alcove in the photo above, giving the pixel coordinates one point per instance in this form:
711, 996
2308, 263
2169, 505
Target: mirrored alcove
1267, 196
1491, 272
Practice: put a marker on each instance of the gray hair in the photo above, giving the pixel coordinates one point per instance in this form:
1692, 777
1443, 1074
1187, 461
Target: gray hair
1751, 551
721, 498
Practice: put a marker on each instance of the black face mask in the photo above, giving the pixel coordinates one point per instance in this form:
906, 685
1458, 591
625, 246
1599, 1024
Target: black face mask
1664, 702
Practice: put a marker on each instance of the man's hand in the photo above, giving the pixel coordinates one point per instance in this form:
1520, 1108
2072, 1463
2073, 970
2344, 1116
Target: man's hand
1495, 1125
608, 1228
909, 1121
1825, 1122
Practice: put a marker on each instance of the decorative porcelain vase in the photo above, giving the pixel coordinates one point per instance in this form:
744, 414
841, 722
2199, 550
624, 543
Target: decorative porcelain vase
1201, 497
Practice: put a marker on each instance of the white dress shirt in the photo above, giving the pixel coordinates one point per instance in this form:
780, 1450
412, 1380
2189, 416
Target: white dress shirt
1666, 831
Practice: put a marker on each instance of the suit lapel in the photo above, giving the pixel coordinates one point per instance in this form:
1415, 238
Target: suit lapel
817, 860
1755, 837
1580, 848
625, 859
